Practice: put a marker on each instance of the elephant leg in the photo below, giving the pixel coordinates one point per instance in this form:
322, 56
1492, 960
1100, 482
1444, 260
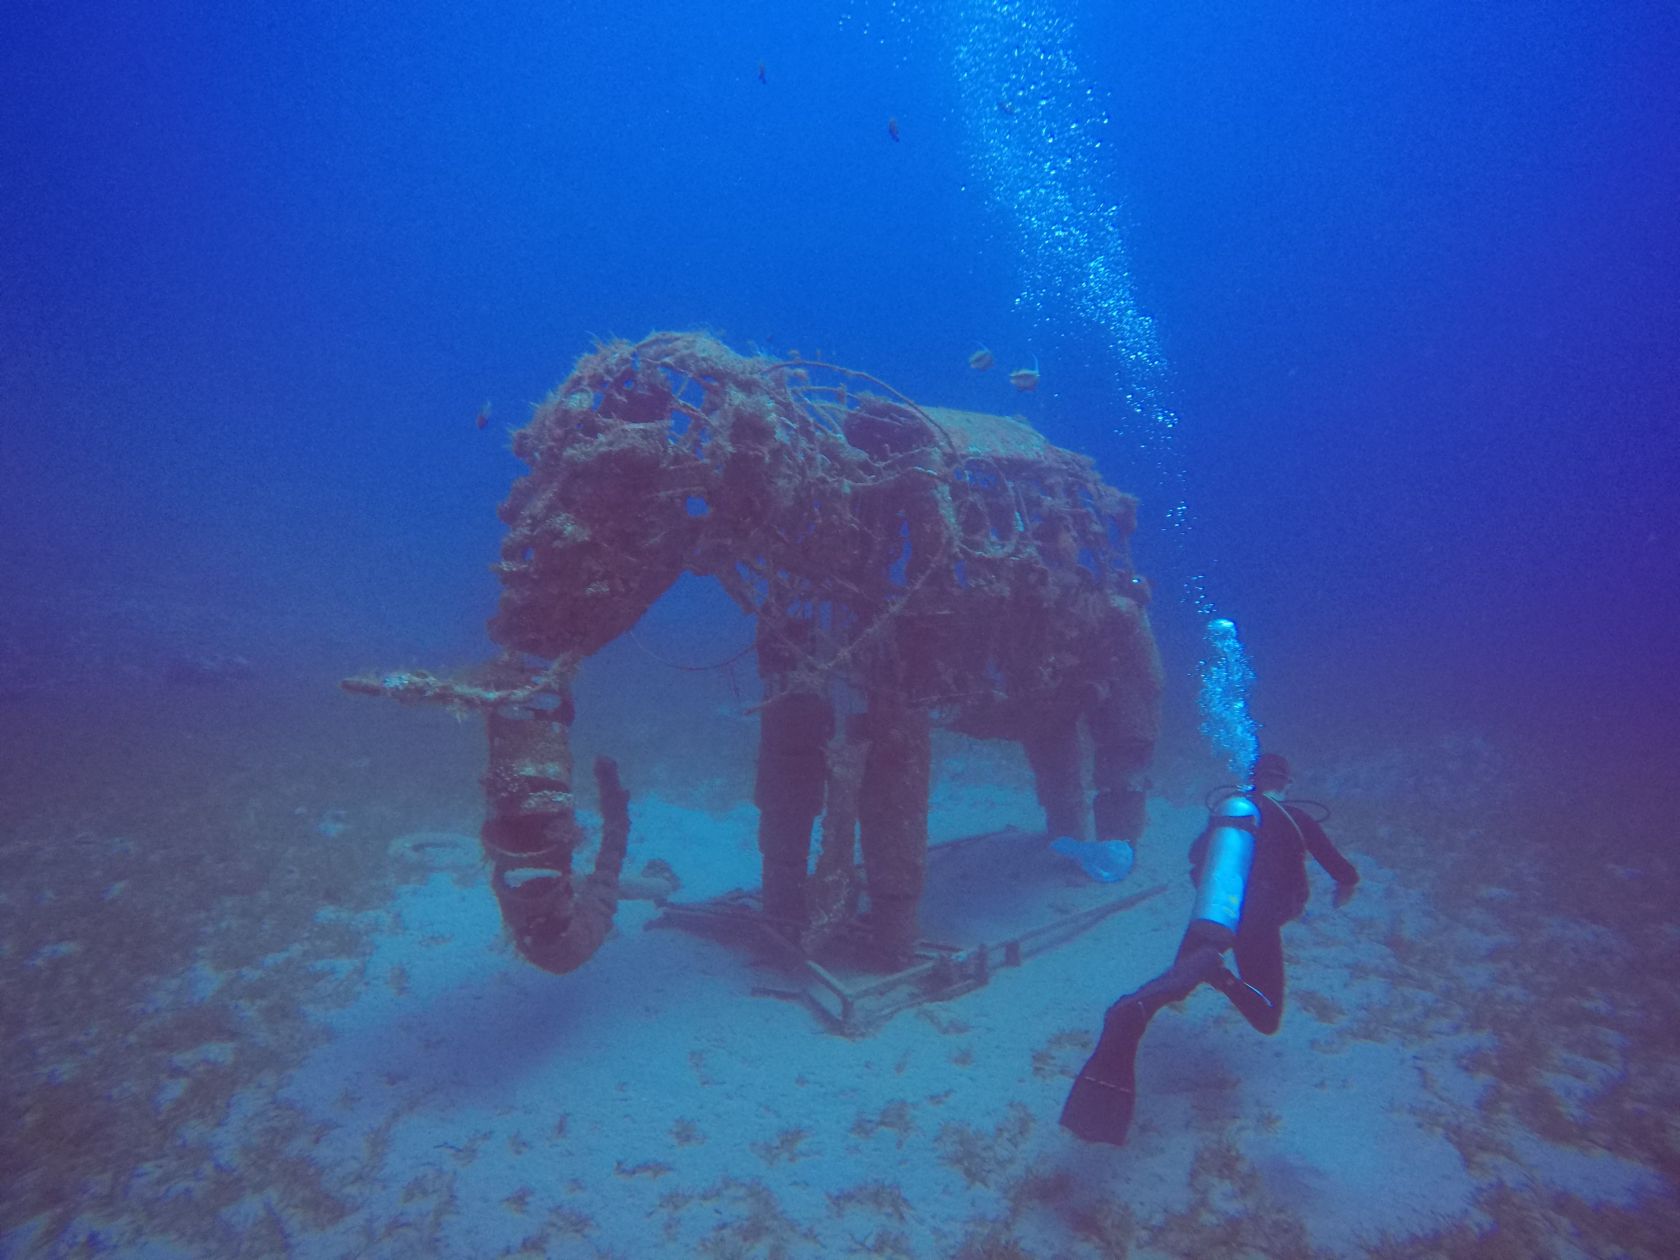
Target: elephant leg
784, 843
792, 771
1124, 725
1051, 742
892, 818
831, 893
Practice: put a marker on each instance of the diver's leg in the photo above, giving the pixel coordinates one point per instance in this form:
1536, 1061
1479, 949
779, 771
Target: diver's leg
1099, 1106
1257, 988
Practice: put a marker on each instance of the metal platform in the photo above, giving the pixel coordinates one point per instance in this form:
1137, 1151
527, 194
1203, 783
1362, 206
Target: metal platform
990, 901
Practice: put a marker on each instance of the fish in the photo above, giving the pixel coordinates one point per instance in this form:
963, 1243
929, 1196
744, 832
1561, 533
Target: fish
761, 74
482, 419
981, 359
892, 128
1025, 379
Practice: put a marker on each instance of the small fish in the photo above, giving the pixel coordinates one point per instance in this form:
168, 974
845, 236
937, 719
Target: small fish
1025, 379
892, 128
1005, 106
482, 419
981, 359
761, 74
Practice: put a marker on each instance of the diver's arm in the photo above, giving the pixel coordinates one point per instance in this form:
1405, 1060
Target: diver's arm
1324, 851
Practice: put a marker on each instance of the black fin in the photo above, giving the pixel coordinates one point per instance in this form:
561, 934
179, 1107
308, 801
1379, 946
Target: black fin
1099, 1106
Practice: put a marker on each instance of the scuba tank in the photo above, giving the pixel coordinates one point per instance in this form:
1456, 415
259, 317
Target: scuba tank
1226, 862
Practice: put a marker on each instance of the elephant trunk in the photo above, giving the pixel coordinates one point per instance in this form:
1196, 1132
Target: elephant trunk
531, 831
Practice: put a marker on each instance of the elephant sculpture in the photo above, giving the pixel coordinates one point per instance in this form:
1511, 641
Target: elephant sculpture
905, 565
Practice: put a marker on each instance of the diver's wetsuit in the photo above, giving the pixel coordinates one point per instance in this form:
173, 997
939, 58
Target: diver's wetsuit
1099, 1108
1276, 894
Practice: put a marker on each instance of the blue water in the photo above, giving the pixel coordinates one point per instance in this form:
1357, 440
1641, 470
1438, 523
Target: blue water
1376, 308
1411, 273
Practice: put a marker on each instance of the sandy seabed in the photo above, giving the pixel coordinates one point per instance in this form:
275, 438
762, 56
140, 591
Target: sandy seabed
257, 1002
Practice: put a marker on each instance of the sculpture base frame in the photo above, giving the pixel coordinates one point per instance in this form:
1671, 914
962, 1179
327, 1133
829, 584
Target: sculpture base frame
854, 1000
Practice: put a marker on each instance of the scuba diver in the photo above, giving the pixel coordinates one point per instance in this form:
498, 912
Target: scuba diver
1249, 870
